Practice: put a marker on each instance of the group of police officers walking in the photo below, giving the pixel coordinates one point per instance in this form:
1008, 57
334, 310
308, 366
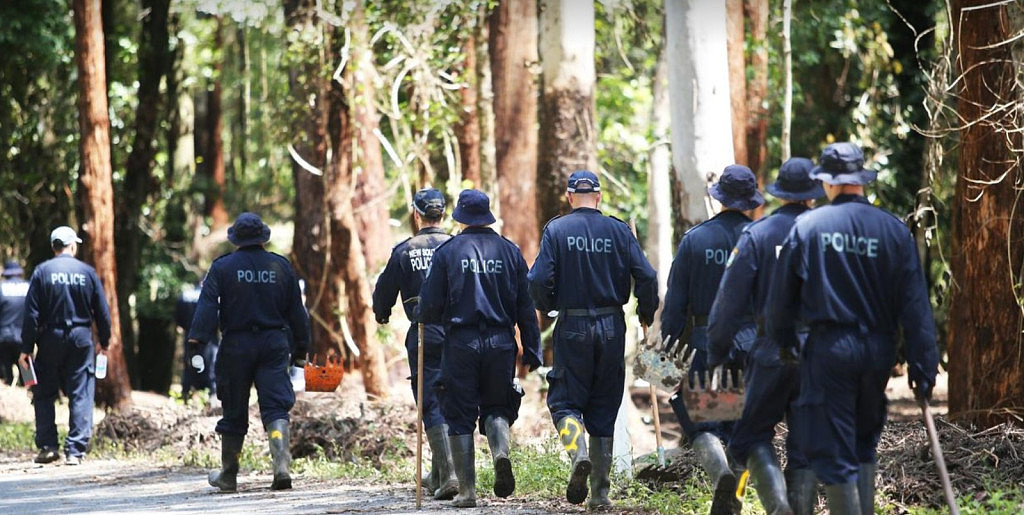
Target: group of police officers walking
809, 302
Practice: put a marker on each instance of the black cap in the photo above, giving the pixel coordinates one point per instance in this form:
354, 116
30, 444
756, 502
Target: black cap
473, 208
794, 181
583, 181
429, 203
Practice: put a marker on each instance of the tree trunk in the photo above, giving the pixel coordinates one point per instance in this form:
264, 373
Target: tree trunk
567, 101
154, 55
485, 107
346, 255
986, 379
699, 96
310, 241
735, 41
213, 156
96, 179
787, 82
659, 179
757, 90
513, 46
467, 131
367, 165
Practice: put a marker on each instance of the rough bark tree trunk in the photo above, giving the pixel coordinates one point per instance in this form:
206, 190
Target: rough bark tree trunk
513, 46
659, 179
757, 89
735, 36
213, 159
567, 102
98, 192
467, 131
986, 377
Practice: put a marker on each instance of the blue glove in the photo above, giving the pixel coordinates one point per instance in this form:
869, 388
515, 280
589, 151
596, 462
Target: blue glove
922, 389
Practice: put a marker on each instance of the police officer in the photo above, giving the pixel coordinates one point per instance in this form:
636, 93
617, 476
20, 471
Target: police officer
191, 377
771, 386
253, 296
476, 287
583, 271
404, 273
12, 312
692, 283
64, 299
850, 272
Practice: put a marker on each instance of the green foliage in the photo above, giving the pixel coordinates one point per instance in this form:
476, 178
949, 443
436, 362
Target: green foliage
18, 436
996, 500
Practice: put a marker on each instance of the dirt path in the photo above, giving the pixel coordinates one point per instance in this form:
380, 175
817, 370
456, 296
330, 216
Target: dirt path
138, 486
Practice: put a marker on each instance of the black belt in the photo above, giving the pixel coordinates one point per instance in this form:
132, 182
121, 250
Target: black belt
762, 329
256, 329
591, 312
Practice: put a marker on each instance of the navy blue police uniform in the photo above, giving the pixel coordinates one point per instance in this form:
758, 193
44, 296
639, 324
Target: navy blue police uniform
583, 270
850, 272
692, 284
13, 290
477, 290
192, 379
404, 273
253, 297
65, 298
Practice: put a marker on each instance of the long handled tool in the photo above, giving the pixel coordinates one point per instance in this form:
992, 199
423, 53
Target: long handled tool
657, 416
940, 462
419, 416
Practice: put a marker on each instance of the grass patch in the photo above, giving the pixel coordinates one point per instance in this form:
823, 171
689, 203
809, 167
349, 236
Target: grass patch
18, 436
995, 499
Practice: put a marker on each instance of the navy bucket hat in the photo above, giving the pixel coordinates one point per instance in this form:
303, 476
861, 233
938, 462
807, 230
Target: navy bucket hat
428, 202
794, 181
737, 188
12, 268
843, 163
473, 208
248, 229
583, 181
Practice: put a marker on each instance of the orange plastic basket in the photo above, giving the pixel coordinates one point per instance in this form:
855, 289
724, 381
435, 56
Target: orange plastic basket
326, 377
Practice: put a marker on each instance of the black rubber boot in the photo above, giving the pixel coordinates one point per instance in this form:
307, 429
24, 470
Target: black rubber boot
227, 477
843, 499
866, 487
464, 457
278, 434
802, 490
447, 485
711, 456
768, 480
570, 433
498, 440
601, 449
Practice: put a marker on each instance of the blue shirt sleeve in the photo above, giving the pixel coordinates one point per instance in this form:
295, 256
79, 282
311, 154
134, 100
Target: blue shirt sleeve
385, 292
673, 314
30, 324
733, 300
526, 317
916, 317
645, 282
542, 276
205, 320
100, 311
784, 293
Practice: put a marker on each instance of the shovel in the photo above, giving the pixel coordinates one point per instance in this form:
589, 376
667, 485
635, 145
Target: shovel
717, 398
940, 462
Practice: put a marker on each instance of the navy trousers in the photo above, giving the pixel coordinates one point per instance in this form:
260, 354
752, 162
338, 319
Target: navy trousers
589, 371
259, 358
65, 361
433, 347
771, 392
842, 406
476, 378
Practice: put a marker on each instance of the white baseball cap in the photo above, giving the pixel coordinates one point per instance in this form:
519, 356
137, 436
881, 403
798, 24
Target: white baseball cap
65, 235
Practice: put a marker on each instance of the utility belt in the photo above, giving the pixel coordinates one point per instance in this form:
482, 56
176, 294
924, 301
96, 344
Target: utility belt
590, 312
254, 329
762, 329
482, 326
66, 326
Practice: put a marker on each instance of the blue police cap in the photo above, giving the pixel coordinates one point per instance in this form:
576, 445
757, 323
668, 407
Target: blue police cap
12, 268
248, 229
843, 163
583, 181
428, 202
473, 208
794, 181
737, 188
